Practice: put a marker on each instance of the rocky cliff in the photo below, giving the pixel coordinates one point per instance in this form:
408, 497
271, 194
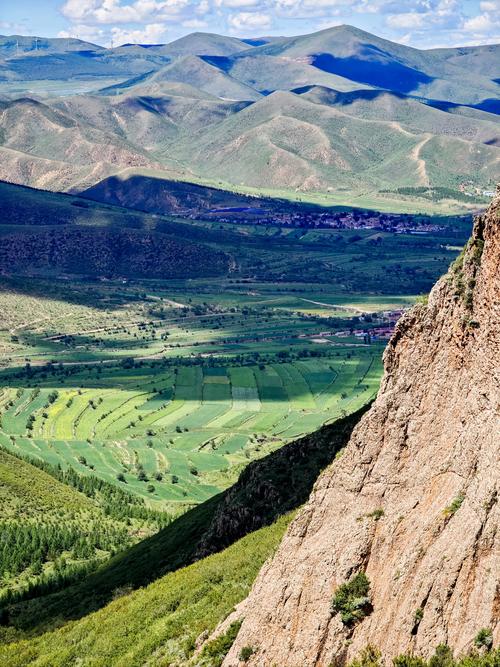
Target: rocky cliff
412, 502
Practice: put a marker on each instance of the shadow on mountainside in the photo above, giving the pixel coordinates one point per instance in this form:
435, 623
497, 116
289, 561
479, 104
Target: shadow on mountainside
267, 489
384, 74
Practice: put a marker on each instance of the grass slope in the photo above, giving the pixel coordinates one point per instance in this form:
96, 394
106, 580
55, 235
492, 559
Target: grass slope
360, 56
53, 533
384, 142
25, 489
159, 624
387, 117
200, 43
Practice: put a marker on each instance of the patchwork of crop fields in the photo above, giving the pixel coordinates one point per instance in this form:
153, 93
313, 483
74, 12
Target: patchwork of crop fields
180, 429
169, 390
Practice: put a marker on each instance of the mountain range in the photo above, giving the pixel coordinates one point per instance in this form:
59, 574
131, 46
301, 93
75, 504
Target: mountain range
337, 115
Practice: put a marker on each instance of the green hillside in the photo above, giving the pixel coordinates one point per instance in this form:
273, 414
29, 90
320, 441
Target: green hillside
200, 43
200, 74
338, 115
49, 234
360, 56
34, 491
204, 248
380, 142
57, 527
257, 499
158, 624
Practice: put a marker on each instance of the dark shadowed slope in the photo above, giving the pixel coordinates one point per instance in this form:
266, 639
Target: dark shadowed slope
50, 235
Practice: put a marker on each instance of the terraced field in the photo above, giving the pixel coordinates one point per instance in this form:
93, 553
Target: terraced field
180, 433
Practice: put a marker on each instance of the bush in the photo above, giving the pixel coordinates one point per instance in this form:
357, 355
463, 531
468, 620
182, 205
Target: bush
216, 650
443, 657
484, 638
245, 653
352, 600
408, 661
455, 506
419, 614
369, 657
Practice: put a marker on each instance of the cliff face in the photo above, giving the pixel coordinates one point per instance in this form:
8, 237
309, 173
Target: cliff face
414, 499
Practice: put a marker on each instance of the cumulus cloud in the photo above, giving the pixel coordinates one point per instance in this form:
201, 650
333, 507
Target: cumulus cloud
153, 33
236, 4
194, 24
490, 6
410, 20
488, 22
115, 11
12, 27
249, 22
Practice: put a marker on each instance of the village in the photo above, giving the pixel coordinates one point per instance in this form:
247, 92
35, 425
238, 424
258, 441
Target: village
398, 223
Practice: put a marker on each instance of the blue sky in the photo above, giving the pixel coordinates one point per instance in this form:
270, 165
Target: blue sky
420, 23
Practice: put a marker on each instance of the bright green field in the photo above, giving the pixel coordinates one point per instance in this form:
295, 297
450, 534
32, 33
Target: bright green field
168, 388
184, 426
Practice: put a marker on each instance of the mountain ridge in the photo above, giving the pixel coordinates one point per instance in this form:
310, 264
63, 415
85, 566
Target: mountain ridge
215, 109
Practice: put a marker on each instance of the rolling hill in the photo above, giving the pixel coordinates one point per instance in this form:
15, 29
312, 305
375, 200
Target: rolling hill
47, 234
57, 525
286, 140
365, 58
16, 45
44, 147
338, 111
201, 43
198, 73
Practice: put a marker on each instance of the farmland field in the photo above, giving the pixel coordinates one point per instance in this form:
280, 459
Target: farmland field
170, 393
184, 426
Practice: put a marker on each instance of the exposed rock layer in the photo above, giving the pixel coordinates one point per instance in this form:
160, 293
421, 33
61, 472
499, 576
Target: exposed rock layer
427, 456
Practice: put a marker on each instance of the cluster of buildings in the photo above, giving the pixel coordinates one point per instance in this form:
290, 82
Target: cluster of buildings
381, 330
470, 190
311, 219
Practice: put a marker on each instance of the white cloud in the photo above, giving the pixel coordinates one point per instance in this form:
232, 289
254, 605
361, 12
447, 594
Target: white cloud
405, 21
490, 6
245, 22
114, 11
484, 27
424, 23
194, 24
481, 23
236, 4
11, 27
308, 9
153, 33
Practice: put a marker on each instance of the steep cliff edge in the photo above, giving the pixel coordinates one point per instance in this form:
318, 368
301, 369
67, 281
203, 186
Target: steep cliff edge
414, 500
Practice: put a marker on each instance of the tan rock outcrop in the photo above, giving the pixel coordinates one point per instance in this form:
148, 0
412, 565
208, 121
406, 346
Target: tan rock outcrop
413, 501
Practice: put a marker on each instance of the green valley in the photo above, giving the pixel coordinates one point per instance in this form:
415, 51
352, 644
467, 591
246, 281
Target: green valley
208, 252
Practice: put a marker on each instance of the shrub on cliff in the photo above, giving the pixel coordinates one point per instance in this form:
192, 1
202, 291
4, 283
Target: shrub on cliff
351, 600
